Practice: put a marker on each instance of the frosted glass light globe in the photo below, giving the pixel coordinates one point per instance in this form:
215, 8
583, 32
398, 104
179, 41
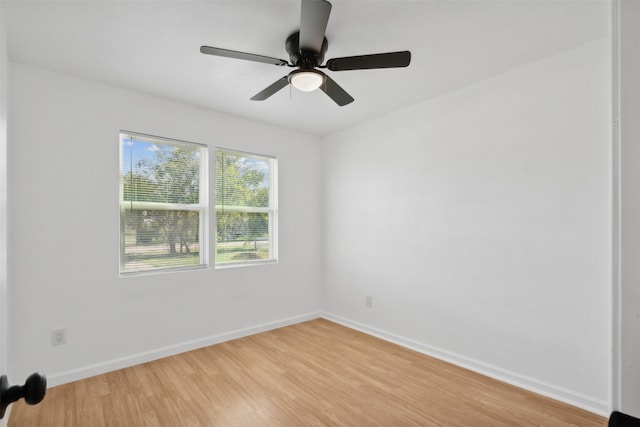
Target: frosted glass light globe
306, 80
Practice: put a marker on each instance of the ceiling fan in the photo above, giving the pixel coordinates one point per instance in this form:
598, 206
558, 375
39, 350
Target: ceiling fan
306, 49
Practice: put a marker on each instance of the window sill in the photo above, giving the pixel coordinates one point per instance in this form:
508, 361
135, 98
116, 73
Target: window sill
245, 264
163, 271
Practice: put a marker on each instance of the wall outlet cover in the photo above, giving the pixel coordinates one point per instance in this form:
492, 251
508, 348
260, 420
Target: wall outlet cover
58, 336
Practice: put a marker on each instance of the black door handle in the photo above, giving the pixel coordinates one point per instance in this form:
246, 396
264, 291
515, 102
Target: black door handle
33, 391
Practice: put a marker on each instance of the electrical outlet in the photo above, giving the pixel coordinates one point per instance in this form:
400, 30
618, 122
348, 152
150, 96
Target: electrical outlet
59, 336
369, 301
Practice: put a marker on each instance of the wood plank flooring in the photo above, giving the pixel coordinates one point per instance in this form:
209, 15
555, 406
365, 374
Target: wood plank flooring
315, 373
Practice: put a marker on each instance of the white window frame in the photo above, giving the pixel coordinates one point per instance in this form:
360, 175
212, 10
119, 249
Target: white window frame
202, 207
272, 210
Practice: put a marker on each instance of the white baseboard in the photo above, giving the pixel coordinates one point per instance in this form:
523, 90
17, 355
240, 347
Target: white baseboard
570, 397
136, 359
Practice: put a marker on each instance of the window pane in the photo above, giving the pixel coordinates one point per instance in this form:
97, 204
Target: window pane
245, 207
162, 207
242, 237
242, 180
154, 172
160, 239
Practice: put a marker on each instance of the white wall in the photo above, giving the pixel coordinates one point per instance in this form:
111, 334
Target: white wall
629, 377
3, 198
3, 192
64, 233
480, 224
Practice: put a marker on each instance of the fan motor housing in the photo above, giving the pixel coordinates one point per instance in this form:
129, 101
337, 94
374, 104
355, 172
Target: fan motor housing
304, 59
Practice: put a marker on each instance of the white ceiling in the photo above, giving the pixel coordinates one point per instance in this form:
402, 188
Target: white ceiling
153, 47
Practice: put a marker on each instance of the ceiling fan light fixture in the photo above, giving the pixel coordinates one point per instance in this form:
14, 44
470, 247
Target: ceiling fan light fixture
306, 80
306, 48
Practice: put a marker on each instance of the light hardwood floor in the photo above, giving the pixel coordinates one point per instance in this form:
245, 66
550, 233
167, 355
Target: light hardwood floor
315, 373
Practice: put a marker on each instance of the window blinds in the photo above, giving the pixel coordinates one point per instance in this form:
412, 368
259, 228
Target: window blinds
245, 207
163, 203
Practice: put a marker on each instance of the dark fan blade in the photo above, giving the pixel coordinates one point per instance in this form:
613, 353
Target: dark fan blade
313, 24
335, 92
279, 84
368, 62
241, 55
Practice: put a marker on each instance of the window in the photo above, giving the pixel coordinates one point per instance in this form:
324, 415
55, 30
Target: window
163, 203
246, 208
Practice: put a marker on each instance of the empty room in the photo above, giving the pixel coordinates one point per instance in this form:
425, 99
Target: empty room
302, 212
